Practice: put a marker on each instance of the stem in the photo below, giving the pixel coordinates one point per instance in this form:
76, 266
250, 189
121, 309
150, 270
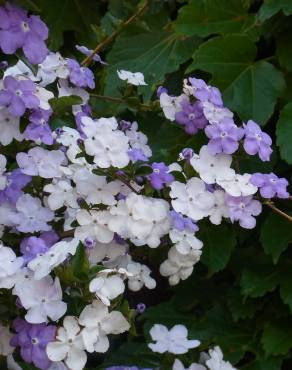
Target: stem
277, 210
127, 184
66, 234
110, 98
111, 37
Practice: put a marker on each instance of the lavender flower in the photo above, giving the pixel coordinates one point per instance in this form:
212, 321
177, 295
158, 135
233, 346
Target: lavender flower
84, 50
32, 246
141, 307
32, 340
39, 127
186, 153
191, 117
270, 185
203, 92
161, 90
224, 137
243, 209
160, 176
121, 367
17, 96
16, 182
182, 223
80, 76
137, 154
257, 141
18, 30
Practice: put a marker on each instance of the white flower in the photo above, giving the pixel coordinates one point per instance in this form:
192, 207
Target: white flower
140, 276
107, 287
219, 209
171, 104
132, 78
211, 167
20, 69
95, 189
108, 145
185, 241
101, 251
69, 345
3, 180
191, 199
216, 362
16, 280
173, 340
138, 140
44, 96
94, 225
54, 66
65, 90
9, 265
9, 128
179, 266
5, 336
43, 264
98, 323
42, 299
61, 194
178, 365
215, 114
238, 185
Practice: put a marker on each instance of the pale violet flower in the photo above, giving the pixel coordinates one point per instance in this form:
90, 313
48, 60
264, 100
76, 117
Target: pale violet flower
101, 251
68, 345
185, 241
61, 194
133, 78
178, 365
54, 66
9, 128
107, 287
10, 264
173, 341
98, 322
237, 185
215, 114
44, 96
220, 209
171, 104
215, 360
20, 69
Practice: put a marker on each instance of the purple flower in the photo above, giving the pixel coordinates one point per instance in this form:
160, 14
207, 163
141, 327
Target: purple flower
161, 90
204, 92
182, 223
32, 246
160, 176
17, 96
137, 154
224, 137
141, 307
16, 182
84, 50
257, 141
191, 117
39, 127
32, 340
124, 125
17, 30
80, 76
121, 367
186, 153
270, 185
243, 209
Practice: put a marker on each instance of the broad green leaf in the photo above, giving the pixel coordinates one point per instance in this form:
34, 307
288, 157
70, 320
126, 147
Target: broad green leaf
276, 234
284, 50
64, 103
277, 338
247, 86
284, 133
80, 264
218, 244
206, 17
272, 363
258, 281
153, 53
242, 309
271, 7
285, 288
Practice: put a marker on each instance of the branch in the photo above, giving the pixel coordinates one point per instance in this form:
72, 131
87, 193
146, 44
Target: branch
111, 37
277, 210
145, 107
66, 234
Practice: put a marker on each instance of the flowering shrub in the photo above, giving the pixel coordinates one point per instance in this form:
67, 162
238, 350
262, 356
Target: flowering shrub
111, 240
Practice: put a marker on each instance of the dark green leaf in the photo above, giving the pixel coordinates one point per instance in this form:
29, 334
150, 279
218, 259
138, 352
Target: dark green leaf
284, 133
271, 7
277, 338
64, 104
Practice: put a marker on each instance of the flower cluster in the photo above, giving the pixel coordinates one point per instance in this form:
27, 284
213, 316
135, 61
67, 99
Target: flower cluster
78, 201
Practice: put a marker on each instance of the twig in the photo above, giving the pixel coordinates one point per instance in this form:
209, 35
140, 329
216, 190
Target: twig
110, 98
66, 234
277, 210
111, 37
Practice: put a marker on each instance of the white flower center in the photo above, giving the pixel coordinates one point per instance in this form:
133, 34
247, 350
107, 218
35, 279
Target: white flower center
34, 340
156, 170
192, 116
25, 26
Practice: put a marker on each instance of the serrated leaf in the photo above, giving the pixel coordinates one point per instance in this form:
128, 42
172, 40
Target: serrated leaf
276, 234
271, 7
247, 86
218, 244
206, 17
284, 133
277, 338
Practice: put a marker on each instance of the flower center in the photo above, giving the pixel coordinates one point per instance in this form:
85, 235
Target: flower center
156, 170
24, 26
223, 134
18, 93
192, 116
34, 340
242, 205
258, 137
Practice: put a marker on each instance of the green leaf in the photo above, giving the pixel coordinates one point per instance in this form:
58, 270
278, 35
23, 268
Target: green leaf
277, 338
271, 7
247, 86
284, 50
284, 133
80, 264
276, 234
240, 309
64, 103
152, 53
218, 244
272, 363
285, 288
206, 17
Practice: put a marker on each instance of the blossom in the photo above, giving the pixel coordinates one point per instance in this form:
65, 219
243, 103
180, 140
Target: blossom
185, 241
171, 104
215, 360
9, 264
61, 194
32, 340
220, 209
257, 141
191, 116
80, 76
98, 322
224, 137
178, 365
86, 51
38, 128
181, 223
107, 287
3, 179
215, 114
16, 181
32, 246
243, 209
132, 78
191, 199
204, 92
17, 30
20, 69
9, 127
174, 340
42, 299
160, 176
211, 167
237, 185
53, 67
68, 345
5, 337
140, 276
270, 185
18, 95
